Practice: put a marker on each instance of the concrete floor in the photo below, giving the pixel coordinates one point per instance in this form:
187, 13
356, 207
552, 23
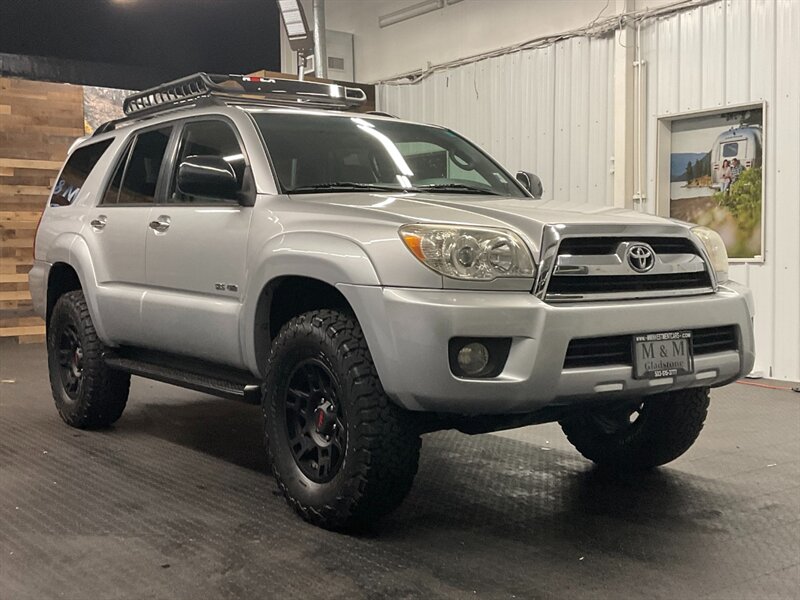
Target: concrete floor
174, 502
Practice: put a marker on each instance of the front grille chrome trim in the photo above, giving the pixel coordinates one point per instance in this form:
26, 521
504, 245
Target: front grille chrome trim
613, 264
687, 258
640, 295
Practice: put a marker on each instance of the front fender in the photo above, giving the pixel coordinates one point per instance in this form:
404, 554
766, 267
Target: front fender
327, 257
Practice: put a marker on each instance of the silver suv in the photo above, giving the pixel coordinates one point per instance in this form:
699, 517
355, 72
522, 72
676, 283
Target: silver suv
367, 280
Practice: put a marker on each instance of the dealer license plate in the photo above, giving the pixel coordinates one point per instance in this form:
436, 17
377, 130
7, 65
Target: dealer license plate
662, 354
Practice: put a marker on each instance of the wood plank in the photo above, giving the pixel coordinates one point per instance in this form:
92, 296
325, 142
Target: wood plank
16, 295
23, 330
24, 190
28, 321
19, 215
18, 225
25, 163
18, 242
13, 278
32, 339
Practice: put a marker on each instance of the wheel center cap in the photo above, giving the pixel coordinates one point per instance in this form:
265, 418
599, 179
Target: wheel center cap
77, 360
324, 418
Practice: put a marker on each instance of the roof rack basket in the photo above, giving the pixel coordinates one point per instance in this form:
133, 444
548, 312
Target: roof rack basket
242, 88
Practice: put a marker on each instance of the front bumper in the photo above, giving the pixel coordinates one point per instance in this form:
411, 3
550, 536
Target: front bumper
408, 332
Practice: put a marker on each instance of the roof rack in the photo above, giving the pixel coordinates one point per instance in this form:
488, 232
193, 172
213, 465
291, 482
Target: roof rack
220, 89
242, 87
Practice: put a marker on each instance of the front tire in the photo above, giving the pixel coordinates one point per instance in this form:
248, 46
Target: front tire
640, 436
88, 395
342, 453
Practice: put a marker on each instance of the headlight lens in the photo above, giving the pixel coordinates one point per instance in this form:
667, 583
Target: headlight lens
715, 247
476, 254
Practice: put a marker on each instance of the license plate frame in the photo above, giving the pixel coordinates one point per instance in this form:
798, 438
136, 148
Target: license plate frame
658, 355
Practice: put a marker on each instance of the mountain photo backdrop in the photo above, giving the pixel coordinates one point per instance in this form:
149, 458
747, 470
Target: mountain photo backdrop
708, 187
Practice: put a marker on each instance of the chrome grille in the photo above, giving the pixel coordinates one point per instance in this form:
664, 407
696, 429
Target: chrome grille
597, 268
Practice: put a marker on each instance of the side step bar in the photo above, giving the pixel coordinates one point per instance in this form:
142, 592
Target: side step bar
234, 385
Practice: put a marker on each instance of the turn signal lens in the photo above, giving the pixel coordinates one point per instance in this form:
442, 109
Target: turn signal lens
717, 253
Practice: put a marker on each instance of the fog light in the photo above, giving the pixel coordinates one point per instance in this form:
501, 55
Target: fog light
473, 358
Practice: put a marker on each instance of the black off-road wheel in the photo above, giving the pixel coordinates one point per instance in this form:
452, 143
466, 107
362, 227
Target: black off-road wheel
342, 453
88, 395
642, 435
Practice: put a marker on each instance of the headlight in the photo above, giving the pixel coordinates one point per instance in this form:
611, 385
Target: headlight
469, 253
716, 251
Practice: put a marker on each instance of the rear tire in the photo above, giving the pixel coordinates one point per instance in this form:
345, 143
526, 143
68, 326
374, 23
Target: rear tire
342, 453
665, 426
88, 395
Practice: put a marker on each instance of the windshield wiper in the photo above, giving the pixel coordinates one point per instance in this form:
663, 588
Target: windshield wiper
344, 186
456, 187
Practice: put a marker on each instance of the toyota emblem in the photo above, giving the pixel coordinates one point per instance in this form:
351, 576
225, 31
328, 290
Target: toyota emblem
641, 257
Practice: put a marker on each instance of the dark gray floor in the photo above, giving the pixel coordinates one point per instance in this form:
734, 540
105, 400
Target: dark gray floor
174, 503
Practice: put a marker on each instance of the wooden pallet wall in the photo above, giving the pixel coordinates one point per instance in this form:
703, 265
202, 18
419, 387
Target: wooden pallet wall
38, 122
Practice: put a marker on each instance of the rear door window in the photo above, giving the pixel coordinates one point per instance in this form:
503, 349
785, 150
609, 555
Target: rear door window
136, 177
74, 174
112, 191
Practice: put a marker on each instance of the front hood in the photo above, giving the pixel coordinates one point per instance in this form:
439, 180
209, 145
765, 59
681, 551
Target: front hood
525, 216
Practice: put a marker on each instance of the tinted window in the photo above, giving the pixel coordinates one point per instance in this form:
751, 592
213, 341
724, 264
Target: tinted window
208, 138
315, 153
141, 173
79, 165
112, 191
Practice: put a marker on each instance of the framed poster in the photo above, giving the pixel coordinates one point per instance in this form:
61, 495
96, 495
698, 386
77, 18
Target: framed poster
711, 166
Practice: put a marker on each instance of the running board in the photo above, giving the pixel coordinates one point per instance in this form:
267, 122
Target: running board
231, 384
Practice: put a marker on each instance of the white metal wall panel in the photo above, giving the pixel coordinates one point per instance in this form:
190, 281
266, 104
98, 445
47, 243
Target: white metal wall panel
735, 52
549, 111
691, 50
713, 59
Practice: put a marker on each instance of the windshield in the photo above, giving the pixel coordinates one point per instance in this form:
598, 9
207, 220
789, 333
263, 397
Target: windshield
318, 153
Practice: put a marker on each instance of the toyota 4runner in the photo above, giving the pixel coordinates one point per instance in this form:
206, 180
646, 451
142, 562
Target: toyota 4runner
367, 280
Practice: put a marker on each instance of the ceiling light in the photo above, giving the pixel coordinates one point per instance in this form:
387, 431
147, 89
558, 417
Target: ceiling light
294, 20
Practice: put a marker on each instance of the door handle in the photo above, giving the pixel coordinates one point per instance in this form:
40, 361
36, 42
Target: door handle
99, 222
161, 224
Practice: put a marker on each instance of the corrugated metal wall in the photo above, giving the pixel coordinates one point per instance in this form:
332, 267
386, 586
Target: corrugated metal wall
549, 111
736, 52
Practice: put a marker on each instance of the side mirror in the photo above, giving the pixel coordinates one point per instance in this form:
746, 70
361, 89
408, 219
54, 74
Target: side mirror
207, 175
531, 182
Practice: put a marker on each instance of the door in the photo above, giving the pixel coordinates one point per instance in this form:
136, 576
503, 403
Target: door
116, 233
196, 253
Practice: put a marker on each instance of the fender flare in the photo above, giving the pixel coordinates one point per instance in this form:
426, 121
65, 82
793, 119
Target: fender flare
71, 249
326, 257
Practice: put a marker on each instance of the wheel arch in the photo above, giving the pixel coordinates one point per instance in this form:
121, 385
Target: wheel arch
312, 261
285, 297
71, 260
61, 279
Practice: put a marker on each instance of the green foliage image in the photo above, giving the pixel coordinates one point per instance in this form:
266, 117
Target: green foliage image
743, 202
